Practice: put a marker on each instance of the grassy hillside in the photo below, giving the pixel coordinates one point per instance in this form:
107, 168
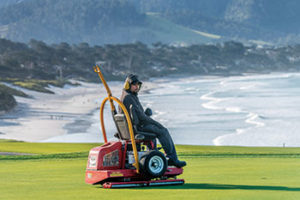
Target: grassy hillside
211, 173
169, 32
273, 21
54, 21
92, 21
11, 91
125, 21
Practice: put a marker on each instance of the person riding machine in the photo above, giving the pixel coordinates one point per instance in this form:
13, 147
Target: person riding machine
133, 160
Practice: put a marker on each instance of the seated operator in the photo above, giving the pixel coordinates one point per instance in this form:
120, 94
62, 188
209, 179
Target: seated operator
144, 122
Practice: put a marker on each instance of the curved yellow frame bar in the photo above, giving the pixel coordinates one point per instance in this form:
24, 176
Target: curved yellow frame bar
98, 71
111, 99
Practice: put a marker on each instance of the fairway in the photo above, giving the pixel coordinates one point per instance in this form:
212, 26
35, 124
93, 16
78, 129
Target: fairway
211, 173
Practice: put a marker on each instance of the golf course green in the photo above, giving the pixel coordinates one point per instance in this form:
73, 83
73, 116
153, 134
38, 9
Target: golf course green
57, 171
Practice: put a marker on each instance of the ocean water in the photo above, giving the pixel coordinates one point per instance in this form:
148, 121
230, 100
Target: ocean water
253, 110
249, 110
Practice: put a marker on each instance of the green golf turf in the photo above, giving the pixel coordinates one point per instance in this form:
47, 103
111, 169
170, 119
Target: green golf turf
56, 172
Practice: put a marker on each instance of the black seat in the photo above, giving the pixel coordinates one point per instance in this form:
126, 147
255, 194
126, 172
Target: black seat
123, 131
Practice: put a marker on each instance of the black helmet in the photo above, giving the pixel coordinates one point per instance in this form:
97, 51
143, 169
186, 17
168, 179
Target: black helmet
134, 79
131, 79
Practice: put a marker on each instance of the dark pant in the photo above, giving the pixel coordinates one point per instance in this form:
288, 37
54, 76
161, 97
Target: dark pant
164, 138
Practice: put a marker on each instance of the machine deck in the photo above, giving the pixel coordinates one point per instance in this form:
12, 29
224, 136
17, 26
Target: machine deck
143, 183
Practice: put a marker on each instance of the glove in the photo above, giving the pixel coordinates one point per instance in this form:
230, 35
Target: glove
148, 112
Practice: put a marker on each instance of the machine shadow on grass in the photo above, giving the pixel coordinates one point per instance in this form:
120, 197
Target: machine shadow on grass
204, 186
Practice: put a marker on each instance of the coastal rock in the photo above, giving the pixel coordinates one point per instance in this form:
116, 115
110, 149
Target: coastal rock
7, 102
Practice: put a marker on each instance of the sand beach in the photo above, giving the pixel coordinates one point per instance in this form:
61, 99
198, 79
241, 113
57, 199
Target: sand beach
44, 116
54, 117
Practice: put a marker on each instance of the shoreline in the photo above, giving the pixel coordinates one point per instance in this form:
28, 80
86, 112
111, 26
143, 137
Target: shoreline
70, 114
44, 117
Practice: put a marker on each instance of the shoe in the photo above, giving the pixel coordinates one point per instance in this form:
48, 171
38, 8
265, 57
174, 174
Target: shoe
176, 163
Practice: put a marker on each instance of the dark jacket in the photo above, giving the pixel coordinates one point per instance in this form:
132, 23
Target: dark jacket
139, 118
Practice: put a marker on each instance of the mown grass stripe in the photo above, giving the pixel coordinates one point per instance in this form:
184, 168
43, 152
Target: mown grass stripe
85, 155
46, 156
244, 155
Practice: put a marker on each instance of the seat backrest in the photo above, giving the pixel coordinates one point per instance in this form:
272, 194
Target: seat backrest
122, 126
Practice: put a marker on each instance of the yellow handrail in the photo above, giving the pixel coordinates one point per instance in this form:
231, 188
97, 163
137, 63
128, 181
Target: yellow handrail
102, 119
111, 99
98, 71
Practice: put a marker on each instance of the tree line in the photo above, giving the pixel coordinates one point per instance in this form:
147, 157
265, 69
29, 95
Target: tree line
36, 64
38, 60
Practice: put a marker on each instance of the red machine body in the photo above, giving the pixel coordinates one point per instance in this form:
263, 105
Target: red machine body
105, 157
106, 166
